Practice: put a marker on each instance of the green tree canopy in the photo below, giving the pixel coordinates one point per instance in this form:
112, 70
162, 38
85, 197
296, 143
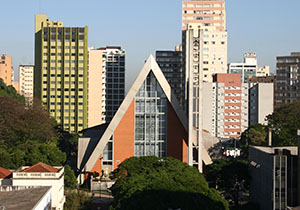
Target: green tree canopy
285, 121
230, 176
27, 135
255, 135
162, 183
11, 92
70, 179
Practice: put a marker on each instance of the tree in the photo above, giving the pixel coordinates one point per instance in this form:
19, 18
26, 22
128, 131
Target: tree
27, 135
20, 124
76, 200
229, 176
285, 121
255, 135
70, 179
167, 181
11, 92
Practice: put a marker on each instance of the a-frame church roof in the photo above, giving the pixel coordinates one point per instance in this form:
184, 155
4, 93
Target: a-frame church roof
150, 66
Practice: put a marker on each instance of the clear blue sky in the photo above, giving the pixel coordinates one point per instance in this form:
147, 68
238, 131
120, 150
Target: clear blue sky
267, 27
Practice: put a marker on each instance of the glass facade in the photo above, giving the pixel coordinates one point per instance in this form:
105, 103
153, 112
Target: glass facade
150, 119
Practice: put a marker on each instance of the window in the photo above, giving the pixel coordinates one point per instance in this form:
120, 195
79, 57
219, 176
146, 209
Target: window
150, 119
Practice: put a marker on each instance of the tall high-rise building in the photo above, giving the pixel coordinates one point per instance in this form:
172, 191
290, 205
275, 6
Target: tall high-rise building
210, 17
113, 68
170, 62
61, 71
204, 41
26, 73
6, 69
287, 79
106, 83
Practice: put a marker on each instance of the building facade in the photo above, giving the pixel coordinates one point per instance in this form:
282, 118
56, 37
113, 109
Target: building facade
34, 177
230, 106
106, 83
225, 108
149, 121
261, 102
170, 62
210, 16
287, 79
42, 174
26, 76
274, 175
6, 69
247, 69
263, 71
61, 71
204, 44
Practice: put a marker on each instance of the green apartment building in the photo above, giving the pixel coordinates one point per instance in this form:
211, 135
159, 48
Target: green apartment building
61, 71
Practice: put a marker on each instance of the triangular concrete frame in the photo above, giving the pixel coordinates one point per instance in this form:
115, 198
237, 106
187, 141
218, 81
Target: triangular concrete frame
150, 65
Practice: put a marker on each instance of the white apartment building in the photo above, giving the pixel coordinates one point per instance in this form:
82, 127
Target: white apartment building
41, 174
106, 83
246, 69
230, 106
26, 75
261, 102
225, 108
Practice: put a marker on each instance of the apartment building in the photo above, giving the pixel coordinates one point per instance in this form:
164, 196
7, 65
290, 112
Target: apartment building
6, 69
210, 16
247, 69
287, 79
225, 108
106, 83
61, 71
261, 102
263, 71
230, 106
26, 76
204, 42
170, 62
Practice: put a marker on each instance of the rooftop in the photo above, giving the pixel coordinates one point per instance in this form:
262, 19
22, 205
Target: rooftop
271, 150
25, 199
4, 173
40, 167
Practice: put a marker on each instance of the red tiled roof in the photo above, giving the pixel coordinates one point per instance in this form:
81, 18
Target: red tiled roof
41, 167
4, 173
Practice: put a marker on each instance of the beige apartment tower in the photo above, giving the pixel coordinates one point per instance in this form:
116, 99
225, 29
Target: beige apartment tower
210, 16
6, 69
204, 42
